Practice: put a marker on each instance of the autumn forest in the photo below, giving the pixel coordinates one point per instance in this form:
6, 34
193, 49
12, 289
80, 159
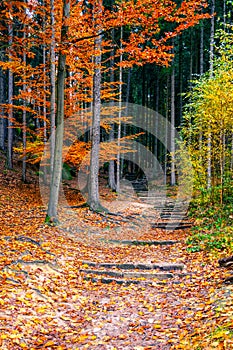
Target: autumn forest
116, 185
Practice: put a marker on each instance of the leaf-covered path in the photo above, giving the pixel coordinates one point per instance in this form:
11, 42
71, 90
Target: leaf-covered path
47, 303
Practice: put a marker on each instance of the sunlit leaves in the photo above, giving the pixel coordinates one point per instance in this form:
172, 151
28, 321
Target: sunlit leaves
209, 112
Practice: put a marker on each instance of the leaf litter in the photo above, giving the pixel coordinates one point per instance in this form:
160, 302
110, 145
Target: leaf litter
45, 303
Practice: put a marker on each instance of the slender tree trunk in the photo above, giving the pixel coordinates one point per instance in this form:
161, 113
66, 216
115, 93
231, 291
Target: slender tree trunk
111, 170
191, 59
202, 49
224, 13
209, 145
166, 129
44, 108
24, 118
52, 88
118, 174
93, 196
128, 85
212, 37
57, 166
180, 79
156, 126
2, 100
201, 72
173, 174
222, 161
10, 109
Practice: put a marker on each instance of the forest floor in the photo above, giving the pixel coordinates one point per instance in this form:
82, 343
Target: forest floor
47, 303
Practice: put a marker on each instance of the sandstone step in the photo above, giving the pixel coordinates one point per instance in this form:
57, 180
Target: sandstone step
124, 282
116, 281
133, 272
174, 217
146, 275
172, 225
139, 243
137, 266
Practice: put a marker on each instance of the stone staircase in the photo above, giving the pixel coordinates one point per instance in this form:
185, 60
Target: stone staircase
172, 213
162, 212
132, 273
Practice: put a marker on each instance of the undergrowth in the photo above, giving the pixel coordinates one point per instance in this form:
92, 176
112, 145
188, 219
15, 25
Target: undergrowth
213, 221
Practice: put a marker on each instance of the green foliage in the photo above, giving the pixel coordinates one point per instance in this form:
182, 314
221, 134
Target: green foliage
66, 172
208, 123
214, 224
208, 135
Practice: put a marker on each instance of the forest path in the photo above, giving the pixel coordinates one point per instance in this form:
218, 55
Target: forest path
45, 301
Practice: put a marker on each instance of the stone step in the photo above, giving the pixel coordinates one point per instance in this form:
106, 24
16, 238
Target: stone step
127, 278
173, 216
149, 200
130, 177
155, 199
157, 194
171, 211
172, 225
139, 243
170, 205
139, 182
140, 188
163, 206
136, 266
128, 282
133, 272
118, 281
146, 275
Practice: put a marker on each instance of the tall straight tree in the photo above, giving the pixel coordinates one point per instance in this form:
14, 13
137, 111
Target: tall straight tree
52, 87
118, 174
93, 186
209, 165
173, 174
111, 170
24, 128
61, 75
10, 102
2, 100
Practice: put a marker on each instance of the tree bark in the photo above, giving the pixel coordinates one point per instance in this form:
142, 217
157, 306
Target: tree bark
57, 166
209, 146
118, 174
24, 168
52, 88
93, 186
173, 175
111, 170
10, 109
2, 100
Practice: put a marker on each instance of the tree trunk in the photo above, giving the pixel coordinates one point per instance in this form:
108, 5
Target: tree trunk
209, 146
202, 49
118, 174
10, 109
57, 166
224, 13
93, 193
201, 72
180, 79
166, 131
212, 37
173, 175
111, 170
52, 88
24, 118
2, 100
